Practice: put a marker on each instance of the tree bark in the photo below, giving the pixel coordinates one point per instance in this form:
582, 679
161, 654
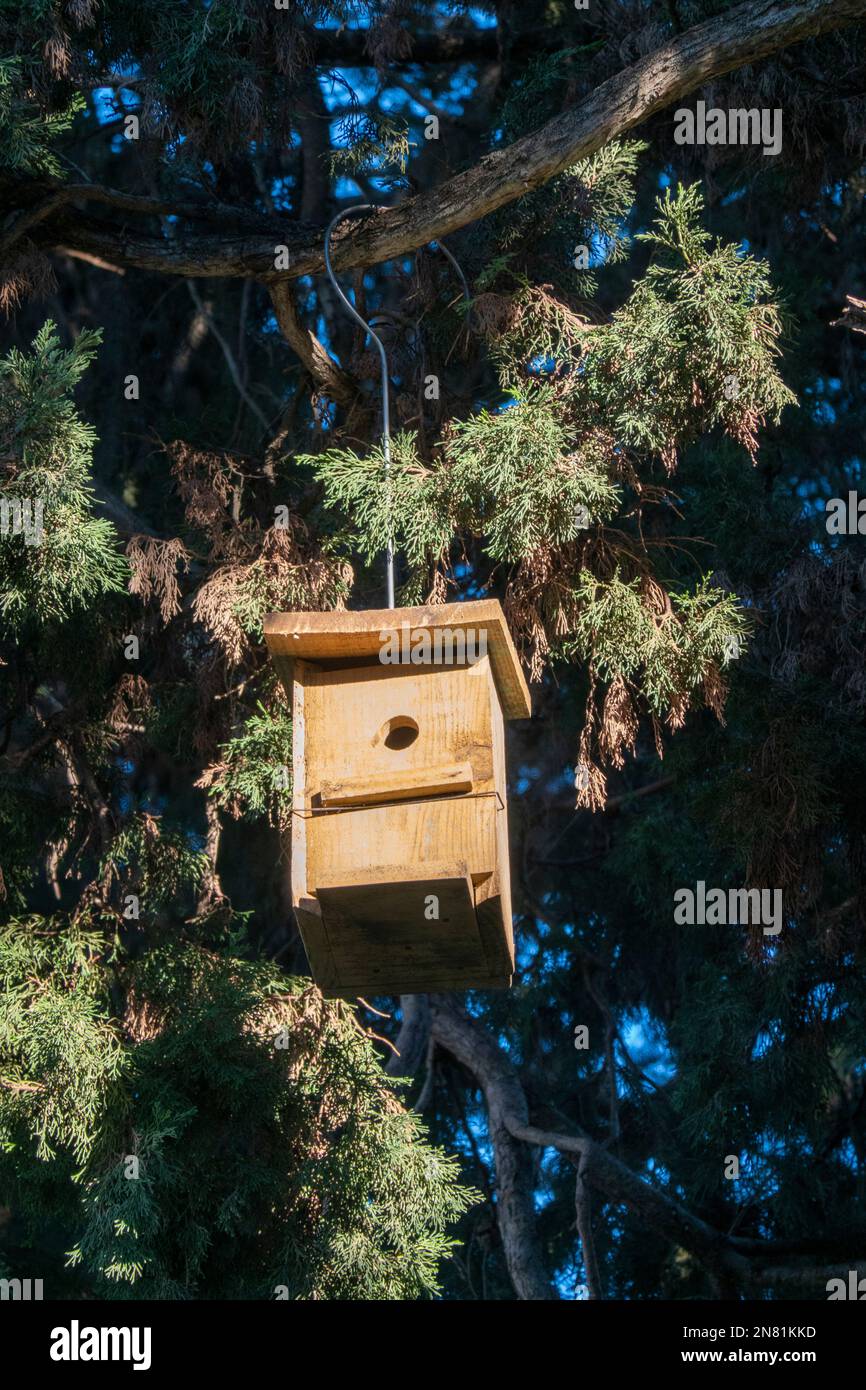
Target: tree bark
413, 1037
738, 1263
333, 380
744, 35
515, 1178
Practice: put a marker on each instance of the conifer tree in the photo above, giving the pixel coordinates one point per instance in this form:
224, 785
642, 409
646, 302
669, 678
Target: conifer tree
622, 415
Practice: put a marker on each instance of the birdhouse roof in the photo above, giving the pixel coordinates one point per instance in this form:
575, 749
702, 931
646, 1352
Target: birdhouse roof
345, 638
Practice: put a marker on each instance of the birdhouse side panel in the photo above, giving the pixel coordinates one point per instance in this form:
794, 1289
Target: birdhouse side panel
493, 895
307, 910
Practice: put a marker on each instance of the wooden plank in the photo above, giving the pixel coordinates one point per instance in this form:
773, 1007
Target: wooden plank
406, 932
401, 785
493, 897
307, 911
421, 834
435, 984
341, 636
351, 715
439, 960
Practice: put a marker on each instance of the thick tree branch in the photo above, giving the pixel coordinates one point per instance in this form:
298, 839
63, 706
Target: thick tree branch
515, 1179
413, 1037
41, 199
744, 35
583, 1216
748, 1263
333, 380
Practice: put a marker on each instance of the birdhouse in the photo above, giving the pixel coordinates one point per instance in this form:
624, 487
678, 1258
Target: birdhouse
399, 839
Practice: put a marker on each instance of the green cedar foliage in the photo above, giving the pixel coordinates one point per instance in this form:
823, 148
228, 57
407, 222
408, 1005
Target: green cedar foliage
47, 453
548, 480
27, 131
183, 1119
230, 1135
253, 777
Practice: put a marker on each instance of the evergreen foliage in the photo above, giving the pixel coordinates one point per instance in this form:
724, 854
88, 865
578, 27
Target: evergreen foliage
47, 451
633, 454
254, 777
232, 1135
27, 130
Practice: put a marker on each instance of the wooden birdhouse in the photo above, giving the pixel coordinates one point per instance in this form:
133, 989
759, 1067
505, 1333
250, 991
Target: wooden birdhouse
399, 842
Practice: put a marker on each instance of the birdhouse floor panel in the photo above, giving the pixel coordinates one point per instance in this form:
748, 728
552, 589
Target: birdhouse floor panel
404, 933
362, 988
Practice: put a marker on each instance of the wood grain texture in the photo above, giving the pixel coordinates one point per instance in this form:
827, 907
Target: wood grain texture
388, 938
407, 785
364, 877
353, 710
307, 910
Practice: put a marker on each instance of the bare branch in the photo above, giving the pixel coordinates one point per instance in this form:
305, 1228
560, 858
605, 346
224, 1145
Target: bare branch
234, 370
853, 315
506, 1105
583, 1213
746, 1261
743, 35
333, 380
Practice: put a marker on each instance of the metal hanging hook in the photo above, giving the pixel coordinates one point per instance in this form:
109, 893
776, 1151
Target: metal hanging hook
449, 255
386, 395
386, 399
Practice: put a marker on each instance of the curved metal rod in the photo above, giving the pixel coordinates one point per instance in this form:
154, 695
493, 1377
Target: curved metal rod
386, 400
367, 327
449, 255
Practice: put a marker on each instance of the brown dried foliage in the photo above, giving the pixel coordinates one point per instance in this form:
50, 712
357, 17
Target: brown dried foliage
30, 274
154, 564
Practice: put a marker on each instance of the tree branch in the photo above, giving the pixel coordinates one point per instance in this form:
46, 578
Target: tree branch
515, 1180
745, 1261
337, 383
413, 1037
583, 1213
234, 371
743, 35
41, 198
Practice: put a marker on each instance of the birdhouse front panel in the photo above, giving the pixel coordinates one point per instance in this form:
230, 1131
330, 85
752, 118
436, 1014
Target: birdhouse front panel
400, 877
